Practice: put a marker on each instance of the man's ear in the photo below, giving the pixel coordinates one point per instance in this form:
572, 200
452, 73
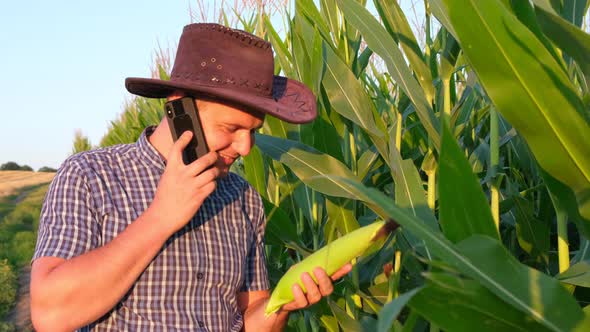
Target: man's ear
202, 105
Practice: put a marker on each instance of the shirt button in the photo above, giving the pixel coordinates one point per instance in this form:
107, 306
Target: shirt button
200, 275
201, 324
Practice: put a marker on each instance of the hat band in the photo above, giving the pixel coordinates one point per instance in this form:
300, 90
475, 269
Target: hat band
246, 84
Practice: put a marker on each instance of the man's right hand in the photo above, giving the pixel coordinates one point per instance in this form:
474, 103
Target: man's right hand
182, 188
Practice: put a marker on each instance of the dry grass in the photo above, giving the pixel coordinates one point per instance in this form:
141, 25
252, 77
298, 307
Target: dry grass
11, 181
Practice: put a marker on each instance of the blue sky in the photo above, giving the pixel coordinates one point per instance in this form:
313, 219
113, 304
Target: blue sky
64, 64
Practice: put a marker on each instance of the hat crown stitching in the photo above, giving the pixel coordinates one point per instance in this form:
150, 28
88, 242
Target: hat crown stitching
258, 42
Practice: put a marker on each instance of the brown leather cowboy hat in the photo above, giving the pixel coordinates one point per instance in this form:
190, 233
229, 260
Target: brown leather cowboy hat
214, 61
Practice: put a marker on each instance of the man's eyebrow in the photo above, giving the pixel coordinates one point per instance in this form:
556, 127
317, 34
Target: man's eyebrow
237, 125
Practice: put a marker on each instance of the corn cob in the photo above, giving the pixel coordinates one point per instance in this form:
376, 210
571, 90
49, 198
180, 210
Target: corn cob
331, 258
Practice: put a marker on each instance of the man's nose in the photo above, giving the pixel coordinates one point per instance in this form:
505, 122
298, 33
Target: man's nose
243, 144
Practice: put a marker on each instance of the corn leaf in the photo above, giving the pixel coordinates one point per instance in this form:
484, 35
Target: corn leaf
410, 194
301, 60
346, 94
449, 54
368, 161
396, 23
306, 163
345, 321
391, 310
536, 288
463, 207
531, 91
308, 9
282, 53
348, 98
278, 128
330, 12
438, 9
525, 12
255, 171
328, 142
578, 274
574, 11
533, 235
383, 44
341, 214
280, 229
583, 253
568, 37
487, 261
456, 304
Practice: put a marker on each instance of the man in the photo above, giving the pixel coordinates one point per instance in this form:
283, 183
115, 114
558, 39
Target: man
132, 239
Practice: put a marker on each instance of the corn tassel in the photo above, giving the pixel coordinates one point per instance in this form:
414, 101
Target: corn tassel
330, 258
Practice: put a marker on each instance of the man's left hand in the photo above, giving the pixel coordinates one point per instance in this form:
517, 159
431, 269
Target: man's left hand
315, 291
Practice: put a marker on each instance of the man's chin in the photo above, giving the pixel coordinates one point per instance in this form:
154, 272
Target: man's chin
223, 171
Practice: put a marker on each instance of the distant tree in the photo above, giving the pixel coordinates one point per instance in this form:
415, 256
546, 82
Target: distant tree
10, 166
47, 169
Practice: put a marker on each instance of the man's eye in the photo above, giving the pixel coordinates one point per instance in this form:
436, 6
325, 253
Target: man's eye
230, 128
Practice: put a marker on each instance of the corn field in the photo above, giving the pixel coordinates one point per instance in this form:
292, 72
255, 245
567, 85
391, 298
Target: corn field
476, 142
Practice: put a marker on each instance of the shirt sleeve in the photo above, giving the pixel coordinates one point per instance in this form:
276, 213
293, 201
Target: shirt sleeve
256, 276
67, 225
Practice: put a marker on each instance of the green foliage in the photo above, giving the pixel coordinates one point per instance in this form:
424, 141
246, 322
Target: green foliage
18, 235
18, 229
472, 308
8, 285
81, 143
387, 125
6, 204
530, 105
7, 327
22, 247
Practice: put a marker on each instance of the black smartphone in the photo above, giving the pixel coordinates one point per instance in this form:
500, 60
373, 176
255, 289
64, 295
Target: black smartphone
182, 115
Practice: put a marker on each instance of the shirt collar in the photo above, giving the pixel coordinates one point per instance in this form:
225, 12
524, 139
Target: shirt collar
147, 153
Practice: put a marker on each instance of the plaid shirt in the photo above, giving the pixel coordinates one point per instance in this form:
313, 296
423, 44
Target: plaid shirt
191, 285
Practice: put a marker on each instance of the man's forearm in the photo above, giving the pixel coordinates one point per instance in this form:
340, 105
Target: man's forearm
81, 290
255, 320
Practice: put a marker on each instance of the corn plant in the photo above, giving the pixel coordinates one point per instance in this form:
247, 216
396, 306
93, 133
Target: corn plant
475, 144
81, 142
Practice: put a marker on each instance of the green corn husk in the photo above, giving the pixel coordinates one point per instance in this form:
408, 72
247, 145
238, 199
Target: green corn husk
331, 258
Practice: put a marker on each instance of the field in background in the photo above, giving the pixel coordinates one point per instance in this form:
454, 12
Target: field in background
21, 197
11, 181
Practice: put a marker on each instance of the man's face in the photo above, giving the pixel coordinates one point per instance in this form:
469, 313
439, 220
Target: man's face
228, 130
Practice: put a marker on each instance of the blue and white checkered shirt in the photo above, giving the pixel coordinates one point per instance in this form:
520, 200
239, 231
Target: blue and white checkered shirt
192, 284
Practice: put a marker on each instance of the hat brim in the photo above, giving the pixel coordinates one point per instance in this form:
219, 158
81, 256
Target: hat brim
291, 100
